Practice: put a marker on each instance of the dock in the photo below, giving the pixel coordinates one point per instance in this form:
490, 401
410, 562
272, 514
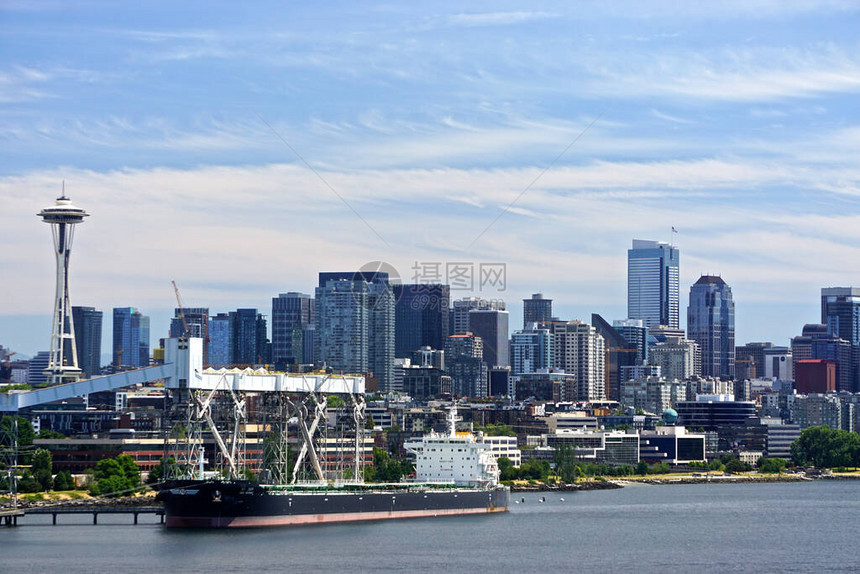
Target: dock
10, 516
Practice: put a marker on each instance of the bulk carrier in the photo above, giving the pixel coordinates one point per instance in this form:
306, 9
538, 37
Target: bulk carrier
455, 474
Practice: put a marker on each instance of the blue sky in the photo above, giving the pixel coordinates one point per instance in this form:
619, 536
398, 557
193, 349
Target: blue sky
185, 130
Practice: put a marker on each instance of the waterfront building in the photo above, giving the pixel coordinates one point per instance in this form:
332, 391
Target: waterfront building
609, 447
421, 317
580, 350
671, 444
459, 317
652, 283
355, 324
465, 364
130, 338
536, 310
531, 350
503, 446
292, 314
491, 325
711, 323
712, 412
88, 339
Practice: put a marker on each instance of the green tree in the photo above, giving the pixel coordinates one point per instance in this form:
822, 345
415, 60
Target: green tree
772, 465
41, 468
825, 447
642, 468
116, 476
735, 465
565, 463
507, 470
64, 481
157, 474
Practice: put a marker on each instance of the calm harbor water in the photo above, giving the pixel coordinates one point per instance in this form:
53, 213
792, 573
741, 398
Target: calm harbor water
780, 527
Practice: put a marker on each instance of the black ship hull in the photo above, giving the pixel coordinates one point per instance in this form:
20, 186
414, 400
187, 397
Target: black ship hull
223, 504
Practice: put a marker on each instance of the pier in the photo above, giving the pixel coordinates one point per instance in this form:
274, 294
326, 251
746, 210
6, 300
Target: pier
10, 516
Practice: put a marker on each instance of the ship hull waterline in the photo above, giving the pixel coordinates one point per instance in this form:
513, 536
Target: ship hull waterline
245, 505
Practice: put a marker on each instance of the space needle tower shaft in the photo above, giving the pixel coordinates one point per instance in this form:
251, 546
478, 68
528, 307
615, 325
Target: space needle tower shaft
62, 362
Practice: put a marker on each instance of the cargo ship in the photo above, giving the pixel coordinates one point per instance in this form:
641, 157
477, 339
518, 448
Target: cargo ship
455, 474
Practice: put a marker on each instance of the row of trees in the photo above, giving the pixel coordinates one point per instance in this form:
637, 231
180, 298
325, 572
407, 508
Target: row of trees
387, 469
826, 447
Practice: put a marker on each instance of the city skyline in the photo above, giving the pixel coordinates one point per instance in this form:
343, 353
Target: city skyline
732, 123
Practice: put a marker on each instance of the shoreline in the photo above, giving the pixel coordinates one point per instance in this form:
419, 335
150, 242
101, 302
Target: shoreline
614, 483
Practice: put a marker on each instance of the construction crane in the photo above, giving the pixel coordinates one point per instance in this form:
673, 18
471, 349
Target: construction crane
7, 369
181, 310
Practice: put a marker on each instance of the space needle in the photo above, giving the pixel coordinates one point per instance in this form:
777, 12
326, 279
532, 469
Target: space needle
63, 358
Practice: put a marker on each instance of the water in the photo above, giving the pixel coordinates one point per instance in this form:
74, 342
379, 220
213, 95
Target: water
784, 527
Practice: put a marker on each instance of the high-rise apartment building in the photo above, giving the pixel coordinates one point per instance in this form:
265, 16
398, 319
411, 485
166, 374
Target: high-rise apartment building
221, 340
711, 323
355, 324
678, 358
292, 313
421, 317
536, 310
531, 350
492, 327
620, 354
250, 338
635, 333
461, 308
652, 283
197, 323
817, 342
465, 365
580, 350
130, 338
88, 339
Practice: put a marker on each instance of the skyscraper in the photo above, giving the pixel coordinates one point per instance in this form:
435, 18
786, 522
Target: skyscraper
461, 308
249, 337
652, 283
492, 327
536, 310
465, 364
580, 350
840, 311
355, 324
221, 340
620, 353
531, 350
711, 323
197, 320
130, 338
88, 339
421, 317
291, 314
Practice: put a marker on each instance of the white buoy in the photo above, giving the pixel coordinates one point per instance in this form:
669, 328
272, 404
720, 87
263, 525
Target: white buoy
562, 499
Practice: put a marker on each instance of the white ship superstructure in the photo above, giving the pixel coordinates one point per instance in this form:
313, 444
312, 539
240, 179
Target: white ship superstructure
453, 458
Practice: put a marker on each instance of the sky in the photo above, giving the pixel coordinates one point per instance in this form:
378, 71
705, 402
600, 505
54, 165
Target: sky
241, 150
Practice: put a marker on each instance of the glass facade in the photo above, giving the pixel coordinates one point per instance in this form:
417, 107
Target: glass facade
652, 283
711, 323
